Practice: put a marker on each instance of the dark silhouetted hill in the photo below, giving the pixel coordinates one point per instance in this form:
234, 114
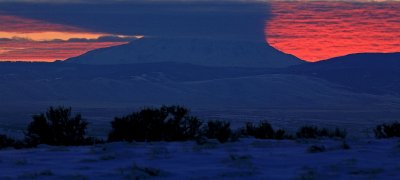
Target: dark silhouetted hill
376, 73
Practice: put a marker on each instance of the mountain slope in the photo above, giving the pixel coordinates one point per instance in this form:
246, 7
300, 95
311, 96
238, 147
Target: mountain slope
376, 73
206, 52
59, 83
364, 60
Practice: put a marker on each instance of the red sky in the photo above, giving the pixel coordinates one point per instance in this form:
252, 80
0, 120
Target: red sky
310, 30
23, 39
320, 30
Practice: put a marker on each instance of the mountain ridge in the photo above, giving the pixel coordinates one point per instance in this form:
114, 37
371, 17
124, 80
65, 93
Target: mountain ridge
205, 52
375, 73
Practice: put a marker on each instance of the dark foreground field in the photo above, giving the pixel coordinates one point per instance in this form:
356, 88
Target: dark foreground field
248, 158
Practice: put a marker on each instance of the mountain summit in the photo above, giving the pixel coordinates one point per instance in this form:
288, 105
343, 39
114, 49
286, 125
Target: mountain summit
206, 52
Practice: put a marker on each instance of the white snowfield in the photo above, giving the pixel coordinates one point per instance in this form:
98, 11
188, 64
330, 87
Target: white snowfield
206, 52
246, 159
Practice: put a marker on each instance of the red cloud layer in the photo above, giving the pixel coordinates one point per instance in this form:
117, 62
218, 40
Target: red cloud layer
320, 30
47, 51
24, 25
23, 39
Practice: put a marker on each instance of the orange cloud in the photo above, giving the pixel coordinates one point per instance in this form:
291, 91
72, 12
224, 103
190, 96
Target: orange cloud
317, 30
47, 51
23, 39
48, 36
24, 25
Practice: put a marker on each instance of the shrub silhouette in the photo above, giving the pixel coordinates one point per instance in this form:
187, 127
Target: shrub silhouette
387, 130
219, 130
168, 123
263, 130
308, 132
5, 141
57, 127
312, 132
192, 127
281, 134
339, 133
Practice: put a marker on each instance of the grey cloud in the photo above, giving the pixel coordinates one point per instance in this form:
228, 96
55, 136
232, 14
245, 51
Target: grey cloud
14, 39
104, 39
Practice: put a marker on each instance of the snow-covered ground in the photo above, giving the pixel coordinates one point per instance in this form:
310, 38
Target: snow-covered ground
248, 158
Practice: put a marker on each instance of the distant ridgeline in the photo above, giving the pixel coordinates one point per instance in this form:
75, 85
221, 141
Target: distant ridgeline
203, 73
375, 73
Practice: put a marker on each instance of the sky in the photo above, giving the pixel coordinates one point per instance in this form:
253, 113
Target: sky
317, 30
56, 31
24, 39
42, 30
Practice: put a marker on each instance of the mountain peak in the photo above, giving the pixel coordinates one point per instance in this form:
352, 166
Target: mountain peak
207, 52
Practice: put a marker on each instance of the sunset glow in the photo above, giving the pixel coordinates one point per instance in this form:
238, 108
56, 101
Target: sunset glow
48, 51
318, 30
24, 39
49, 36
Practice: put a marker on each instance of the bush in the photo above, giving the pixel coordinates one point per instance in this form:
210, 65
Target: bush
281, 134
168, 123
57, 127
263, 130
308, 132
192, 127
6, 141
339, 133
387, 130
218, 130
312, 132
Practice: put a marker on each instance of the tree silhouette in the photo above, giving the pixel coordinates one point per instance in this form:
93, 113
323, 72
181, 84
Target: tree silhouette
218, 130
168, 123
57, 127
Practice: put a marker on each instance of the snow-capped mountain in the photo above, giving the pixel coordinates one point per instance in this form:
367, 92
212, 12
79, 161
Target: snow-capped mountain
206, 52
